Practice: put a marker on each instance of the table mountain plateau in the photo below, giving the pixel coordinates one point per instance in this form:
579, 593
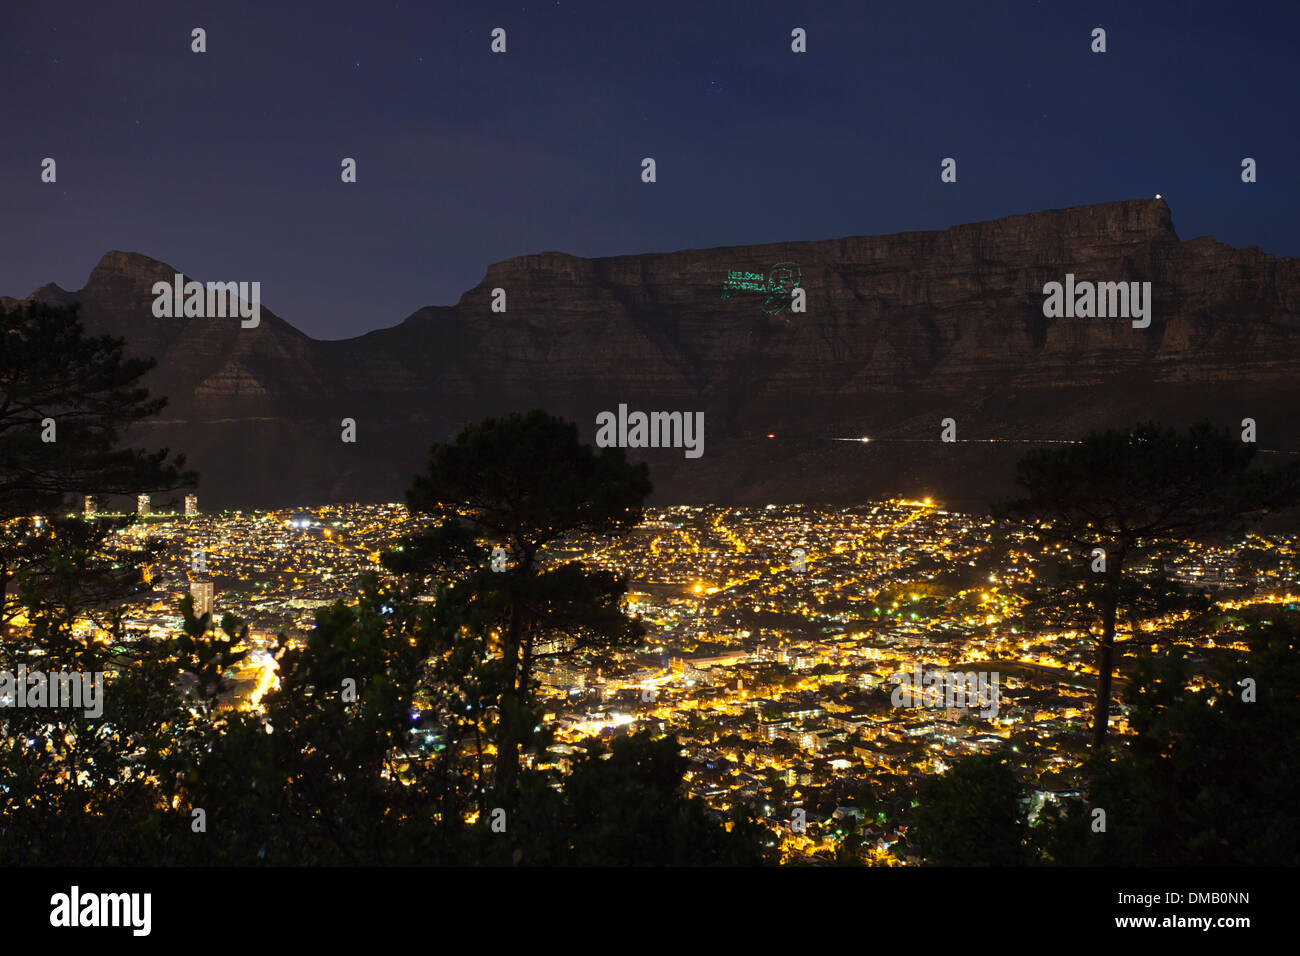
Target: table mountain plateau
899, 332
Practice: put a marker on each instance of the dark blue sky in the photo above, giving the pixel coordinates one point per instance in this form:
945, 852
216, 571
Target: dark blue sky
226, 164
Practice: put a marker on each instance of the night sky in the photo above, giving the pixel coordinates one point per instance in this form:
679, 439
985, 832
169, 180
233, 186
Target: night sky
226, 164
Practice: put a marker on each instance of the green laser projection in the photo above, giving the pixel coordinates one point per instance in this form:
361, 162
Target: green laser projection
775, 287
744, 282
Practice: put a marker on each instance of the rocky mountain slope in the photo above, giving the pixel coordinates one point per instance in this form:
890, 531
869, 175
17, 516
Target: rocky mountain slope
899, 332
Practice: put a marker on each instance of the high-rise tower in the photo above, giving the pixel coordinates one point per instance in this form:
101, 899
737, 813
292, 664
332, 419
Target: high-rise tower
202, 592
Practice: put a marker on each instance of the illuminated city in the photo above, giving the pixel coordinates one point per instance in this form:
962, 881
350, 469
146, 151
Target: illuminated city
767, 675
648, 474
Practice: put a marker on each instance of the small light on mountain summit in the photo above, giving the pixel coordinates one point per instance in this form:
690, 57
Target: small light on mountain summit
1158, 196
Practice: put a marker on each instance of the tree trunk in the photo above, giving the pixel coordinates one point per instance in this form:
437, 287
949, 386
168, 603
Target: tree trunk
507, 747
1106, 651
6, 618
513, 697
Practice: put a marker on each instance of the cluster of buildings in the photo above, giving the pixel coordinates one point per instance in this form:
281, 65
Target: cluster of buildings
774, 639
777, 639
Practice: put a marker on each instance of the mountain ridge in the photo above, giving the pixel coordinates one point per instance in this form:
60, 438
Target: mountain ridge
900, 331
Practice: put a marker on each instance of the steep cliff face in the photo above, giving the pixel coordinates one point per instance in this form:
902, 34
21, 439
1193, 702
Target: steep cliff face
899, 331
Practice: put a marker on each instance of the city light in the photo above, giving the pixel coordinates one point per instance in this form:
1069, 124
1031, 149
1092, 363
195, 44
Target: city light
802, 647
